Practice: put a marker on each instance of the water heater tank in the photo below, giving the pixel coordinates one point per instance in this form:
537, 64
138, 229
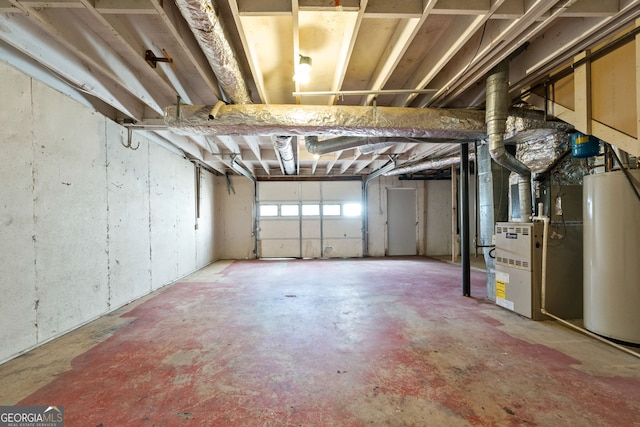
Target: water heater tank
612, 256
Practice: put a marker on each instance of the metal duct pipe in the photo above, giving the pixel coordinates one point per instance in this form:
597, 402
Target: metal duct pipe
314, 146
497, 109
278, 119
372, 148
209, 32
285, 148
429, 164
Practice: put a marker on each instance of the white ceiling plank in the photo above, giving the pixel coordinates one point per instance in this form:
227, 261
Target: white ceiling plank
135, 7
462, 7
601, 8
349, 41
510, 9
187, 43
7, 6
331, 163
404, 35
251, 53
324, 5
395, 49
228, 142
464, 28
452, 41
84, 41
494, 50
552, 49
254, 145
403, 9
66, 4
268, 52
264, 7
21, 34
38, 71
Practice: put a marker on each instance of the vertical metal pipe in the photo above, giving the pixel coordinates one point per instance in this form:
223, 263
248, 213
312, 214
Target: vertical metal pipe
464, 219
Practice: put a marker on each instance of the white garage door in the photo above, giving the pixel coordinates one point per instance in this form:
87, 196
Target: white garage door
310, 219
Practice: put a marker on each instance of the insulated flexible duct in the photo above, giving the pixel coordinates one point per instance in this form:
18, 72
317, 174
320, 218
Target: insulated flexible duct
285, 148
428, 165
498, 103
210, 34
211, 37
337, 120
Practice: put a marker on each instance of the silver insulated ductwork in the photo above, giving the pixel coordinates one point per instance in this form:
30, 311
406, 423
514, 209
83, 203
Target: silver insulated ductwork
329, 120
210, 34
434, 164
211, 37
285, 148
497, 109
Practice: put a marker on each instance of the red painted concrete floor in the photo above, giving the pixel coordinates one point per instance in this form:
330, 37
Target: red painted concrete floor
386, 342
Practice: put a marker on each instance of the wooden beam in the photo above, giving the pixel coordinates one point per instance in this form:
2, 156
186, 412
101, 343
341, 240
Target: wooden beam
327, 5
599, 8
66, 4
582, 94
264, 7
401, 9
140, 7
462, 7
7, 7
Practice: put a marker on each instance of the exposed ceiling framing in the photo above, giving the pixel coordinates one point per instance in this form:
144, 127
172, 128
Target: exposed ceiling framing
384, 53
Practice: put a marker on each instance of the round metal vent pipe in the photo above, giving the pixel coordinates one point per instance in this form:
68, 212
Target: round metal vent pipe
497, 109
285, 148
428, 165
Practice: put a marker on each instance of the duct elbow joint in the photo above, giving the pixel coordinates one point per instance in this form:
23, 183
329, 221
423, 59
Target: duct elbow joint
311, 144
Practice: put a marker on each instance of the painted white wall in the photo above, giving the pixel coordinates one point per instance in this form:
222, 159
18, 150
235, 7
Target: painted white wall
234, 218
377, 212
86, 225
438, 216
438, 234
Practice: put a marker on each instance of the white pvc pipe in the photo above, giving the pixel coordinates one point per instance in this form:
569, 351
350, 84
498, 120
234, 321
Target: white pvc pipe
543, 286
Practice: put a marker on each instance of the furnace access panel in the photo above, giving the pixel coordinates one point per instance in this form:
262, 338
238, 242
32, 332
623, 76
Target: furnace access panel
518, 257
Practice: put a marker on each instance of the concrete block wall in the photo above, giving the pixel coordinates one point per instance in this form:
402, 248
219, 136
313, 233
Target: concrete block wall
86, 225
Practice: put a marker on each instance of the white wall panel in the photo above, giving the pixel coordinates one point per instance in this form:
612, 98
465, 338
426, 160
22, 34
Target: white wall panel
76, 235
206, 238
164, 250
69, 213
128, 201
184, 191
17, 267
438, 236
234, 218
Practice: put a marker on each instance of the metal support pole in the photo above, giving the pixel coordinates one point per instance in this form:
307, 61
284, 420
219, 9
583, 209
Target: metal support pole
464, 219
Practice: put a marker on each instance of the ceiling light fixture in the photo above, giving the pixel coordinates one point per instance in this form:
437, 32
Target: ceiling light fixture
303, 70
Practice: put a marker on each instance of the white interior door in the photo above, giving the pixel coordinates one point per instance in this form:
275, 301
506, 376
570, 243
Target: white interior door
401, 221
